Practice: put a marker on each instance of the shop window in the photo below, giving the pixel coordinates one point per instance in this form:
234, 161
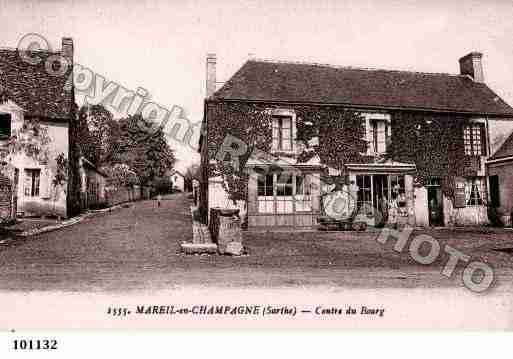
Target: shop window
474, 139
283, 193
266, 193
364, 197
284, 190
303, 194
379, 191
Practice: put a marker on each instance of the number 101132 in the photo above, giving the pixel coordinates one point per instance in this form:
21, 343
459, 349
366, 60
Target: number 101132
35, 344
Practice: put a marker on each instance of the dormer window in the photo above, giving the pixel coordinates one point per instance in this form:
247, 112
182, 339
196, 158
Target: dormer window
5, 126
282, 133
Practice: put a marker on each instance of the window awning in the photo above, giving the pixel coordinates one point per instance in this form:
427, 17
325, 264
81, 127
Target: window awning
383, 167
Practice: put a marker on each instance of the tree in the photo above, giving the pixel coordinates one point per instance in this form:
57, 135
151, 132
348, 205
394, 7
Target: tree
94, 131
120, 175
135, 142
163, 185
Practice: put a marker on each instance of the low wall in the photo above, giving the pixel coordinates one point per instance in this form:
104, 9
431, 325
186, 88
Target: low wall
127, 194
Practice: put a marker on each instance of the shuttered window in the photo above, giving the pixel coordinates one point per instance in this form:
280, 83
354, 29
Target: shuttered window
5, 126
495, 200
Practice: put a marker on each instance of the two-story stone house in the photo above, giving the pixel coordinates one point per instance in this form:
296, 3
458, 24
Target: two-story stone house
36, 107
426, 137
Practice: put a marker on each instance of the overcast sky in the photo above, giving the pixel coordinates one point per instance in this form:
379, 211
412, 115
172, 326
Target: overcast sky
161, 45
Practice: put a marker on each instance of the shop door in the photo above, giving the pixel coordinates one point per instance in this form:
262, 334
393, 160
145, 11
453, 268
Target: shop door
435, 203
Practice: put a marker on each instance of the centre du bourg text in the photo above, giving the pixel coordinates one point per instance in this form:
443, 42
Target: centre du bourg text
252, 310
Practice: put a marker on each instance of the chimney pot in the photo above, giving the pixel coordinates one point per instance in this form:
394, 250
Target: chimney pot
211, 74
472, 65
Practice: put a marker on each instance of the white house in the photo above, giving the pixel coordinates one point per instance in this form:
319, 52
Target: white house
36, 106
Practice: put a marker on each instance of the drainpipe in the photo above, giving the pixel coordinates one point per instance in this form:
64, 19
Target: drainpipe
488, 145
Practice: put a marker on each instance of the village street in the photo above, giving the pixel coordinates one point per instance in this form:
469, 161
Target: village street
137, 248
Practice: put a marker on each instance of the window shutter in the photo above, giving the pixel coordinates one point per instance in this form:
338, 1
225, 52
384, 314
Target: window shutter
459, 192
45, 183
27, 183
275, 133
381, 136
252, 193
494, 191
483, 139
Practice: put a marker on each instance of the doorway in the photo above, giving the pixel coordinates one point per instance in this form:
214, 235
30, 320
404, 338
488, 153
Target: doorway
435, 202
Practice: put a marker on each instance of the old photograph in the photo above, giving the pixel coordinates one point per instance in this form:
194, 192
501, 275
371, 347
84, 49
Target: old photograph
256, 164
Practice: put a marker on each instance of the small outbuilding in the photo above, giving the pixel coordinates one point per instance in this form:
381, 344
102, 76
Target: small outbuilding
500, 179
92, 185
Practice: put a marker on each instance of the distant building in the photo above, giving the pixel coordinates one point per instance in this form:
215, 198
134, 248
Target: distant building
178, 180
500, 179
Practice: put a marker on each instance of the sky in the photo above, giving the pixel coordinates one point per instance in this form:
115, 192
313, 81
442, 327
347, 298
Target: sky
161, 45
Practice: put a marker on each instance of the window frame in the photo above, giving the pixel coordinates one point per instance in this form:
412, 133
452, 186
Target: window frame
471, 199
474, 139
30, 189
277, 193
372, 133
278, 129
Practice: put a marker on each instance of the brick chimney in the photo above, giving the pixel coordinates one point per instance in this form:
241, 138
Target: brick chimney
211, 74
472, 65
67, 48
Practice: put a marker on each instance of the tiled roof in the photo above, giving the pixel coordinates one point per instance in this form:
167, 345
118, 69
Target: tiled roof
506, 149
33, 88
260, 80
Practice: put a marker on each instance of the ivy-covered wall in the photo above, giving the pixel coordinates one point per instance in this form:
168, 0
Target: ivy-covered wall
335, 134
434, 142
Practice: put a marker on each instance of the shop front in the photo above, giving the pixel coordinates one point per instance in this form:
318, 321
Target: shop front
384, 192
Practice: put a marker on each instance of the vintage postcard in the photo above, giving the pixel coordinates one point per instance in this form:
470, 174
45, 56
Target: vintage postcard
255, 164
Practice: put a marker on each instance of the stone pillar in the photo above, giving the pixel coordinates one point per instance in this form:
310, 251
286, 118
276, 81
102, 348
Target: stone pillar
410, 199
421, 207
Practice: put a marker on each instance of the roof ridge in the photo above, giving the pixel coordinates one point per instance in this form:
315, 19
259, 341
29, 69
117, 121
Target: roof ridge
295, 62
8, 48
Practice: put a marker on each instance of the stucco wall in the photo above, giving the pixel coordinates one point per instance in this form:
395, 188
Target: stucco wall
421, 207
466, 216
51, 199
